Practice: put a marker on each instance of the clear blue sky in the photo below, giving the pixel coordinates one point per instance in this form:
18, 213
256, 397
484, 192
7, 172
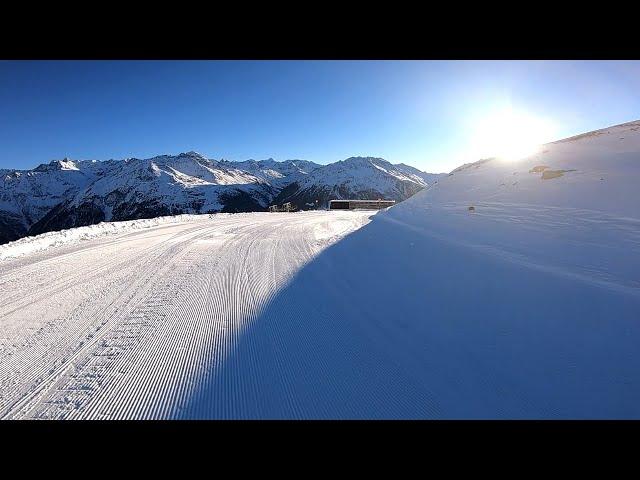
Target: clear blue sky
417, 112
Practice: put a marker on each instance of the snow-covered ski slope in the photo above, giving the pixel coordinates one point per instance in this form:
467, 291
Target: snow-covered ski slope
130, 324
527, 306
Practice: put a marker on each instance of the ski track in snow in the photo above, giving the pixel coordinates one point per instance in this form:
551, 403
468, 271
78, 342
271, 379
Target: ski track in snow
128, 326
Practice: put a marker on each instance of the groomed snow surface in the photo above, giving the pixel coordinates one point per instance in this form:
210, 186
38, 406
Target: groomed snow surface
134, 324
525, 306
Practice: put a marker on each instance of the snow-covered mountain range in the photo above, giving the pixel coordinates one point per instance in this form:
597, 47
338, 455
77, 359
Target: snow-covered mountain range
71, 193
356, 177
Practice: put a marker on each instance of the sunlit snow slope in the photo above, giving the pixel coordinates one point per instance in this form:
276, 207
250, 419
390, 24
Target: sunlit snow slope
129, 323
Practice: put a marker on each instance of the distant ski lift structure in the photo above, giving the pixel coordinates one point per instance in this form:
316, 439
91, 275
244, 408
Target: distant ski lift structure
286, 207
360, 204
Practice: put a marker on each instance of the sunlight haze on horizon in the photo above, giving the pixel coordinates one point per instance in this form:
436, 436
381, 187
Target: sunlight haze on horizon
434, 115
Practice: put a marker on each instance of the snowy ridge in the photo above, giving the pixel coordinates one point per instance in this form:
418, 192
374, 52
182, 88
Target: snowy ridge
357, 177
278, 174
360, 173
596, 171
579, 194
427, 178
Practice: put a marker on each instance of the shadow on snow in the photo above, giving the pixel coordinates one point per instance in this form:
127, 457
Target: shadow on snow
391, 323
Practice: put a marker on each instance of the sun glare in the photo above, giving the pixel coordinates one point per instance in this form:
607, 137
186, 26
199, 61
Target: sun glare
510, 135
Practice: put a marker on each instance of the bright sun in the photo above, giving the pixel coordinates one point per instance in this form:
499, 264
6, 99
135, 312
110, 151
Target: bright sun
510, 135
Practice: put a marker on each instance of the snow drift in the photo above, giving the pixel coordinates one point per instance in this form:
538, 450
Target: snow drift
45, 241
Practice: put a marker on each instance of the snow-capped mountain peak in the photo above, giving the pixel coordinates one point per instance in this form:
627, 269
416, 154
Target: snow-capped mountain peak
354, 177
64, 164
